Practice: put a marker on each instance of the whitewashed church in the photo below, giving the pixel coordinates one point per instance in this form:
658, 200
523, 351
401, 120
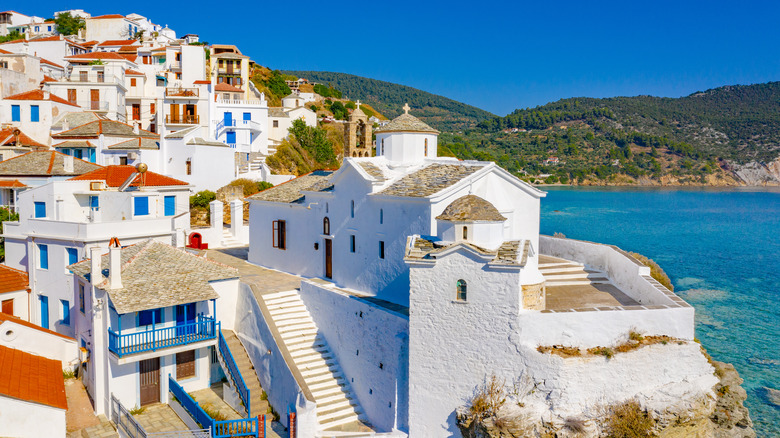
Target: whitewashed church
424, 275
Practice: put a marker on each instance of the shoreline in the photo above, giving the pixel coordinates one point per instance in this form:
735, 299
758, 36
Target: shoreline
745, 188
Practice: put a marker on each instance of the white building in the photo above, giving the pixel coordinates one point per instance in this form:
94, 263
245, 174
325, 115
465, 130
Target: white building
280, 119
110, 27
54, 48
34, 112
10, 19
59, 220
14, 292
158, 312
106, 142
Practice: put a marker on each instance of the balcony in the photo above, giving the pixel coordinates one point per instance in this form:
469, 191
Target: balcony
94, 78
175, 65
204, 329
178, 119
181, 92
94, 105
237, 124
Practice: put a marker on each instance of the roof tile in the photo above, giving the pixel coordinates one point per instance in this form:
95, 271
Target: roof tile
115, 176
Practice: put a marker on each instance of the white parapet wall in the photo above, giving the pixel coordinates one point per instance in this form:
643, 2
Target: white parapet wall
370, 342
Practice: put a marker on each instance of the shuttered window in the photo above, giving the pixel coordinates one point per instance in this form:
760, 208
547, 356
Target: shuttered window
185, 364
280, 234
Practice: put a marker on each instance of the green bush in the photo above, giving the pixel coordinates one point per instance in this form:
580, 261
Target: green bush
202, 199
263, 185
350, 105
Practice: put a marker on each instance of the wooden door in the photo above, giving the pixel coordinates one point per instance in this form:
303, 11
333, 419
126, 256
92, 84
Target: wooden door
149, 373
72, 95
94, 98
174, 115
136, 111
8, 307
328, 258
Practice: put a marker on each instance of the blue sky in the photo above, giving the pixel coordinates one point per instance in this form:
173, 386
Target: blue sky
495, 55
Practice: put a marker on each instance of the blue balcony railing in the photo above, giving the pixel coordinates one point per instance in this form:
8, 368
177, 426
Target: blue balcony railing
121, 344
235, 374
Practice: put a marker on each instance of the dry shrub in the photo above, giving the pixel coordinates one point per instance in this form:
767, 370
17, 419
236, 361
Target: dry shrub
655, 270
559, 235
635, 336
509, 425
488, 398
574, 424
628, 420
560, 350
602, 351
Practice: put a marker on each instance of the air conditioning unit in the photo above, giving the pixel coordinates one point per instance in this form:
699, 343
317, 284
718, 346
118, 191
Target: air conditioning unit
97, 185
132, 156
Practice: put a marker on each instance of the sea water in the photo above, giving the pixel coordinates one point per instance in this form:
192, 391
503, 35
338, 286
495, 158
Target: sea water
721, 249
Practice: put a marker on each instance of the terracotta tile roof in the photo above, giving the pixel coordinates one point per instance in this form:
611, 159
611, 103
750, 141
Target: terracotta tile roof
12, 280
43, 40
115, 176
39, 95
202, 82
110, 128
7, 138
46, 61
89, 44
156, 275
470, 208
44, 163
6, 52
17, 320
117, 43
128, 49
100, 17
95, 55
430, 179
133, 73
48, 79
291, 191
32, 378
15, 184
227, 87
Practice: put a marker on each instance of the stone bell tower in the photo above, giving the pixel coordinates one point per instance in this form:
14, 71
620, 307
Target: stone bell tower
357, 135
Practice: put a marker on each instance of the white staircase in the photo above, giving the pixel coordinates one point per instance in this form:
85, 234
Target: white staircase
228, 241
336, 405
560, 272
253, 166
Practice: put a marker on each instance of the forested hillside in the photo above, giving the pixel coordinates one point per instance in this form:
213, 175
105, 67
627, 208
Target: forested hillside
388, 98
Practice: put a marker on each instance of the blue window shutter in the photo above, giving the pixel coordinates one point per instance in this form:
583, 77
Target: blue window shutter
16, 113
43, 256
94, 201
247, 116
230, 137
141, 205
34, 113
65, 312
170, 205
40, 209
73, 255
92, 156
228, 118
66, 151
44, 311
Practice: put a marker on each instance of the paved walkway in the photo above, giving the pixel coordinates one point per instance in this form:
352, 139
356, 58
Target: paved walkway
213, 397
160, 418
80, 414
262, 280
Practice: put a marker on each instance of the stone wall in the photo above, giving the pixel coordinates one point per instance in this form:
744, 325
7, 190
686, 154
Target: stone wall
534, 297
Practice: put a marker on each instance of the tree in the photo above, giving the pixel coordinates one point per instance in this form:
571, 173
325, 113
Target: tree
14, 35
6, 215
68, 24
315, 141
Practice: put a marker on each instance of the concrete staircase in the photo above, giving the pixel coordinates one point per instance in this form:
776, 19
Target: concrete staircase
258, 405
560, 272
253, 166
336, 405
228, 241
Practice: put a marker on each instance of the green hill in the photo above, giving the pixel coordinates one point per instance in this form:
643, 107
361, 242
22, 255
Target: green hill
699, 138
440, 112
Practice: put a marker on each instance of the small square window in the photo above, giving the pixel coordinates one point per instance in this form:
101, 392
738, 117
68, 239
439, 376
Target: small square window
40, 209
141, 204
65, 312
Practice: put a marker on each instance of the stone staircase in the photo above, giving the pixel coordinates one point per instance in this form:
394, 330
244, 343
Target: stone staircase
247, 370
336, 405
228, 241
253, 166
561, 272
105, 429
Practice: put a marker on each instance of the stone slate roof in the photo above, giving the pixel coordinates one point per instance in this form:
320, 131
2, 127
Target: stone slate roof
76, 119
44, 163
275, 111
406, 123
373, 170
470, 208
511, 253
137, 143
157, 275
204, 142
74, 144
109, 128
181, 133
430, 179
290, 191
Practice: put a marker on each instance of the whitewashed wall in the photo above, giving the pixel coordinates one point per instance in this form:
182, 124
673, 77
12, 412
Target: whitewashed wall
39, 343
24, 419
365, 337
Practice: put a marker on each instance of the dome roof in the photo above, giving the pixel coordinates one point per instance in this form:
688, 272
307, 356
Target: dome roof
406, 123
471, 208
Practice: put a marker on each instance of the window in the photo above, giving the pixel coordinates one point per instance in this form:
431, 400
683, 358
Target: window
3, 64
73, 256
465, 233
16, 113
382, 149
152, 108
185, 364
81, 298
170, 205
326, 226
94, 202
132, 82
141, 206
352, 209
8, 307
35, 115
72, 95
276, 123
149, 317
43, 256
426, 147
381, 249
40, 209
381, 216
247, 116
136, 111
65, 312
230, 137
83, 76
123, 161
178, 76
188, 166
78, 153
352, 243
280, 234
44, 311
101, 76
461, 290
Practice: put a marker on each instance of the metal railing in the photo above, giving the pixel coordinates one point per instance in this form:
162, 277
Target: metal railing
94, 105
235, 374
191, 406
194, 433
205, 328
187, 119
181, 92
93, 78
242, 427
122, 419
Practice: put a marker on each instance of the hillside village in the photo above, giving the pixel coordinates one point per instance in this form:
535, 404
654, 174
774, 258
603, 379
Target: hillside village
373, 287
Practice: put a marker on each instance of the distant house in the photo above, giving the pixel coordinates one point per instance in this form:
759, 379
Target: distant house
551, 161
14, 292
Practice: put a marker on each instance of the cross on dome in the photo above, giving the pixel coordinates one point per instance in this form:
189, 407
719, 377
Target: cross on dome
406, 108
358, 103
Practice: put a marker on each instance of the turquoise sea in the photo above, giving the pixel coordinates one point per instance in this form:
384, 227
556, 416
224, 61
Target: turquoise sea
721, 248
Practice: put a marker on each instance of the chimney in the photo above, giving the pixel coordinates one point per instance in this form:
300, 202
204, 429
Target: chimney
96, 276
65, 124
46, 95
115, 267
67, 165
136, 131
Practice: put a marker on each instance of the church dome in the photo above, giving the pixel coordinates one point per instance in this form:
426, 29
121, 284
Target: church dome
406, 123
471, 208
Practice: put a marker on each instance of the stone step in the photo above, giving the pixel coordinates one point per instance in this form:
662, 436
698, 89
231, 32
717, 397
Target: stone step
322, 378
300, 332
575, 276
306, 325
557, 264
335, 414
295, 317
351, 418
561, 269
273, 297
297, 308
575, 283
303, 349
274, 308
312, 372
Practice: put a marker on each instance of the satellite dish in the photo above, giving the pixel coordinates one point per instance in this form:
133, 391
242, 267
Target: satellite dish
141, 167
